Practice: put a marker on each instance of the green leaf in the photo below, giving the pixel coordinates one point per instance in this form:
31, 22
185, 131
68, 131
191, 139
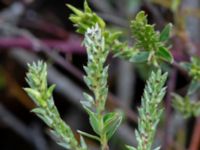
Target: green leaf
108, 116
164, 54
87, 81
140, 57
56, 137
165, 34
50, 90
45, 118
39, 111
88, 100
83, 143
157, 148
130, 147
64, 145
86, 7
89, 135
88, 97
32, 92
194, 86
141, 17
110, 37
93, 120
75, 10
36, 97
111, 122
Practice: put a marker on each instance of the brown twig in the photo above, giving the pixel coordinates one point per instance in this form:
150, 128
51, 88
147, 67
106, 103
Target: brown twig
41, 25
195, 142
68, 46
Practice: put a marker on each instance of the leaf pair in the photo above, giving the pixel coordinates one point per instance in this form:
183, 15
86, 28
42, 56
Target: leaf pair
104, 126
111, 123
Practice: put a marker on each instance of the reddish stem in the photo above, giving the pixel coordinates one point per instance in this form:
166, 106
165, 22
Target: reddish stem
45, 27
195, 142
69, 46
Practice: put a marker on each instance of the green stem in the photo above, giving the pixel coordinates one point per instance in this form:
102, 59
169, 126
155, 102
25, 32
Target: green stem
104, 145
103, 136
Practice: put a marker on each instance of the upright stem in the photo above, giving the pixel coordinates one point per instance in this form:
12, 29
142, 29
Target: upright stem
195, 142
104, 140
104, 146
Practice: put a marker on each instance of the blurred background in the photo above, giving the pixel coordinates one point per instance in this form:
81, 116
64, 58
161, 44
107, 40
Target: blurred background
40, 30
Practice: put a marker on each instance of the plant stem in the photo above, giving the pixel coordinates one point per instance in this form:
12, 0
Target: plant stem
105, 146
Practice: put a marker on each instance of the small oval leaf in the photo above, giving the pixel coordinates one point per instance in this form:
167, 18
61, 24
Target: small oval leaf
164, 54
165, 34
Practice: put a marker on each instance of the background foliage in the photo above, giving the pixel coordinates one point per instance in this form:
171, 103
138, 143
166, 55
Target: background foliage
33, 30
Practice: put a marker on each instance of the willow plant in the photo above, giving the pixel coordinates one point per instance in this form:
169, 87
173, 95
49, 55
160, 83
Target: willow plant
150, 48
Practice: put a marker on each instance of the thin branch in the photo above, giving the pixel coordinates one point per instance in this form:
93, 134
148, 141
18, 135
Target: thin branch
171, 87
195, 142
37, 23
68, 46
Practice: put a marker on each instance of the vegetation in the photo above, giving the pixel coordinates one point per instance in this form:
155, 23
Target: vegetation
151, 48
